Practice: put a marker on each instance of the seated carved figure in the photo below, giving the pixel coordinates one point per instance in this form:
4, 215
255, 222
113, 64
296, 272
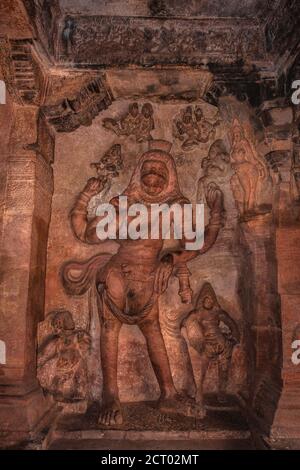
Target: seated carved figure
129, 283
136, 123
143, 132
62, 368
213, 334
206, 129
192, 128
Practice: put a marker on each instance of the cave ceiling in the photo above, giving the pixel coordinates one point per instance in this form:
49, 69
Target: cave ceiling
154, 48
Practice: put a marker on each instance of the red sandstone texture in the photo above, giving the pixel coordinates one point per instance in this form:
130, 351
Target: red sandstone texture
194, 110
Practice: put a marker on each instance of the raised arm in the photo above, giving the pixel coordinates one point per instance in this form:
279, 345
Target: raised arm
84, 229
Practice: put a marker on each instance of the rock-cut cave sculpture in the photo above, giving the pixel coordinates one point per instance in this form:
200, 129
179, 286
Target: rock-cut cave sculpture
213, 334
135, 122
250, 173
109, 166
62, 353
192, 128
129, 283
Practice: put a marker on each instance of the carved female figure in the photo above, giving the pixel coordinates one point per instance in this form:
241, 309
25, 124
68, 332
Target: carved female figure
249, 171
143, 132
210, 339
61, 358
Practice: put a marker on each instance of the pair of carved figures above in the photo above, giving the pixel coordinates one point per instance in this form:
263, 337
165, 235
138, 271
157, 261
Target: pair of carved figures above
136, 122
62, 354
128, 284
192, 128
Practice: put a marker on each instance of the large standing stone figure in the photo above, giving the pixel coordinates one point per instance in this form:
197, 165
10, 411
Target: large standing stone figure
130, 282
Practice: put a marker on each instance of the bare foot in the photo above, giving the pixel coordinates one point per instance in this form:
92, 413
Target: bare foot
180, 404
111, 414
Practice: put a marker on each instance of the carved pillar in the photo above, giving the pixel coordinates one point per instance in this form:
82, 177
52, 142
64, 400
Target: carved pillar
287, 419
29, 187
260, 288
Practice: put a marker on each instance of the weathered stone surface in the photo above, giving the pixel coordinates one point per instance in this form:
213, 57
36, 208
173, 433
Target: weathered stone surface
160, 101
109, 40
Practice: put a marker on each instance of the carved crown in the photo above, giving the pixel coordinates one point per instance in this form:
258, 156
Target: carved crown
163, 145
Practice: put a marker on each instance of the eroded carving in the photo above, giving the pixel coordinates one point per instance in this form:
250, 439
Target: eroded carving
216, 168
251, 178
67, 35
213, 334
81, 110
129, 283
109, 166
62, 352
192, 128
19, 70
135, 122
109, 40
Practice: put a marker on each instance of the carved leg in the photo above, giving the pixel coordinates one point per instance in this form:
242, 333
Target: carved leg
111, 410
223, 372
158, 355
170, 401
246, 187
200, 384
252, 194
110, 413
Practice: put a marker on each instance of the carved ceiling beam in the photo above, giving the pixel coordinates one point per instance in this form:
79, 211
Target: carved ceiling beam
67, 98
119, 41
81, 108
246, 85
282, 34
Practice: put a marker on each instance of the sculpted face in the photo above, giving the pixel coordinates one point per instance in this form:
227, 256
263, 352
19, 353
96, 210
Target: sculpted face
217, 159
147, 110
134, 109
198, 114
154, 177
237, 134
208, 303
187, 118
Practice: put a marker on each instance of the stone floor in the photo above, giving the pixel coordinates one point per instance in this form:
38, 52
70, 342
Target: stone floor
191, 444
146, 428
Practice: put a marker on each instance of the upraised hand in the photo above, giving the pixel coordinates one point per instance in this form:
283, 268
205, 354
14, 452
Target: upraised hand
94, 186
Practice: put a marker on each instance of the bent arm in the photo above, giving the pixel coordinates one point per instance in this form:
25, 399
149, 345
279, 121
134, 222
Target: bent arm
225, 318
83, 229
78, 216
214, 197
